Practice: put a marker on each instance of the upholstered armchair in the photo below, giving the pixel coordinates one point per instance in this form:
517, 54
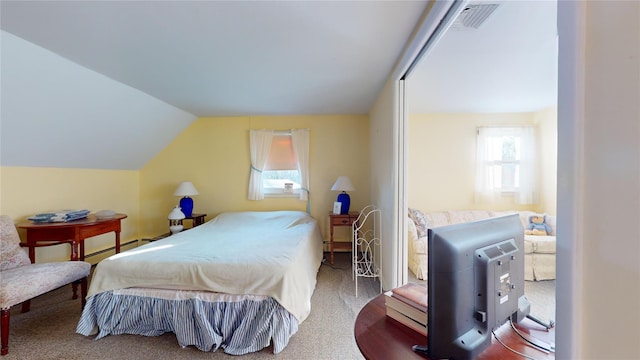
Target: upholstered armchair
21, 281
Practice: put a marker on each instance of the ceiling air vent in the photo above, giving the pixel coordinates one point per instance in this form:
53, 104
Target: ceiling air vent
474, 15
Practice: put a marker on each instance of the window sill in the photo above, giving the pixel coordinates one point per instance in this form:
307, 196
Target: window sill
281, 194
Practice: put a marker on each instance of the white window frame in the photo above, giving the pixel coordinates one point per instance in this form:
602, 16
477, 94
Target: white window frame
525, 188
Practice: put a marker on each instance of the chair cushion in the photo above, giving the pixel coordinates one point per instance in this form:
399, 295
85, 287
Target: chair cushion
26, 282
11, 254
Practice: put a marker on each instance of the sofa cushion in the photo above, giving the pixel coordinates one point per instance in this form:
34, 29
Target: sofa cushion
528, 246
437, 219
464, 216
418, 245
541, 244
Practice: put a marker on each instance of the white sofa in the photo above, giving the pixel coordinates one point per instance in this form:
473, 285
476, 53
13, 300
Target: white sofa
540, 250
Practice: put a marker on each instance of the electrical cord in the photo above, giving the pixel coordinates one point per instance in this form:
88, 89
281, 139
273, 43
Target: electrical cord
538, 346
326, 263
510, 349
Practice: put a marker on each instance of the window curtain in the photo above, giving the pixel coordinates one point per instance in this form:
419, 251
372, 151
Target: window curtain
528, 192
300, 142
488, 187
260, 145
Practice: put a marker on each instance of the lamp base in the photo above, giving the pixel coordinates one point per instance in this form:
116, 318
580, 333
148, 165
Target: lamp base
175, 229
186, 205
345, 200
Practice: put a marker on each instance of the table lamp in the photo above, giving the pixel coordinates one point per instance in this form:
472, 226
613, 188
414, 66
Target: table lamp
175, 220
343, 184
186, 189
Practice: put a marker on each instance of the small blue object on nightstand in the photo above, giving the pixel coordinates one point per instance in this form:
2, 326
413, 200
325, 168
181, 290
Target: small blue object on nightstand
343, 184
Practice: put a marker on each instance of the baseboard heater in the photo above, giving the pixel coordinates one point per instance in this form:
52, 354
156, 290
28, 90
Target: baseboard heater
112, 248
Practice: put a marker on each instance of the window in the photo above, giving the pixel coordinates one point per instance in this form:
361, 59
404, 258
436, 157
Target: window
506, 163
279, 164
281, 168
503, 162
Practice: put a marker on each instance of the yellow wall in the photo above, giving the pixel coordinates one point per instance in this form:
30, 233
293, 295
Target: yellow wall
29, 190
213, 153
547, 121
442, 158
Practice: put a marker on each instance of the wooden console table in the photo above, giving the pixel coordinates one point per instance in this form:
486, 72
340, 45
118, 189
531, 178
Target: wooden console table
380, 337
44, 234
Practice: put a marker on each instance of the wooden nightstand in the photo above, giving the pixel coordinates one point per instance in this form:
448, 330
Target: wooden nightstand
197, 219
340, 220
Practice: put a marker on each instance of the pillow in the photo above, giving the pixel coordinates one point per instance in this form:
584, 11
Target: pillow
420, 221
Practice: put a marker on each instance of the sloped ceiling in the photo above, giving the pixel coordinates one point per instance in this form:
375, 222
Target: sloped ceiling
107, 84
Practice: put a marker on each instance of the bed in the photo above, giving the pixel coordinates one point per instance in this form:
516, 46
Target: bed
239, 282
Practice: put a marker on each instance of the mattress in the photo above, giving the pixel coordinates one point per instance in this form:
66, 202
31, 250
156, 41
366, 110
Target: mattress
207, 273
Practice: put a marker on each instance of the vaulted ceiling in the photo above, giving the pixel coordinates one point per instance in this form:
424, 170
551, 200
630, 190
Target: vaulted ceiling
108, 84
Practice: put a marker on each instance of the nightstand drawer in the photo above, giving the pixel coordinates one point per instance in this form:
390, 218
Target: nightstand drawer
341, 220
336, 220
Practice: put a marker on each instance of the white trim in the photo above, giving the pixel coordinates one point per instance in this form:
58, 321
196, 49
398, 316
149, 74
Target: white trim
402, 202
571, 104
437, 19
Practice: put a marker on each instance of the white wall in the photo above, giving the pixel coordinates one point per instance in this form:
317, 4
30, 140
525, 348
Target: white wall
98, 122
598, 251
382, 130
442, 160
547, 121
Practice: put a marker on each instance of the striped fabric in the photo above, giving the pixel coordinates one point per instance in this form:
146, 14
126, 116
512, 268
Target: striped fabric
239, 325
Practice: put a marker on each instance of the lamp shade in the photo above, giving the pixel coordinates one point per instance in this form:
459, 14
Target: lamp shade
343, 184
186, 188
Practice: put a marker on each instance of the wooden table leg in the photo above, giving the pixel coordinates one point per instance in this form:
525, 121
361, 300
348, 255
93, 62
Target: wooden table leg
32, 253
117, 242
74, 257
331, 244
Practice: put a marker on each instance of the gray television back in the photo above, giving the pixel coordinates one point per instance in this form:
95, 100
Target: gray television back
475, 284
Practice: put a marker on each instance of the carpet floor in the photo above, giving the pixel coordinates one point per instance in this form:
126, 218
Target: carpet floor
48, 330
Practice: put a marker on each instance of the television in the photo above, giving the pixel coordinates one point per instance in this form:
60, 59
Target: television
475, 284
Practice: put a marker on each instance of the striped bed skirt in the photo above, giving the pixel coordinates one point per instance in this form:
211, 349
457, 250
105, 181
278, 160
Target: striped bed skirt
239, 324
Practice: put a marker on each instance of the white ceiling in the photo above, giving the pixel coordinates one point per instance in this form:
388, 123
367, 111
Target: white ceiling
508, 64
218, 58
120, 79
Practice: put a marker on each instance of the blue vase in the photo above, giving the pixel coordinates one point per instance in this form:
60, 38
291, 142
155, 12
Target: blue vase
186, 205
345, 200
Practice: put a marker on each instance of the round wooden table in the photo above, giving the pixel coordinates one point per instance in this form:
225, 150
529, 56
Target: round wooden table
380, 337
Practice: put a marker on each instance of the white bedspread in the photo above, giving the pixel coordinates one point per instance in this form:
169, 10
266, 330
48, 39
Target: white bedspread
276, 254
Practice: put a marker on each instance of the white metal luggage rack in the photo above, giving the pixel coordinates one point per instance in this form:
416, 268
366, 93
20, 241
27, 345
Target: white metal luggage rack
366, 246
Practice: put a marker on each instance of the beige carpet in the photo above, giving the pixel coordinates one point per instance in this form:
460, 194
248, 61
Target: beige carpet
48, 330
